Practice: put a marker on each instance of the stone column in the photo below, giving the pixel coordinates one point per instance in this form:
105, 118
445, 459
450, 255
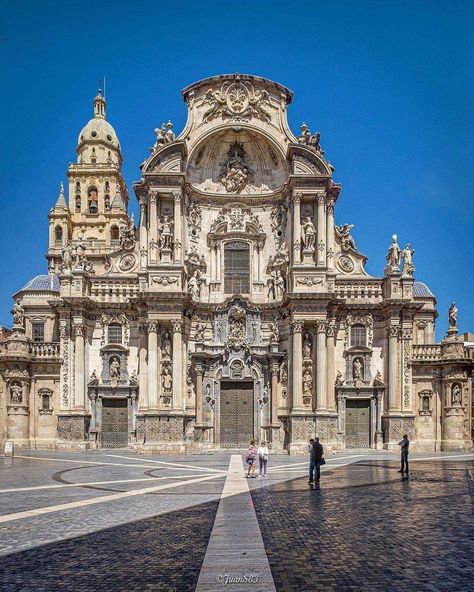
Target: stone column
199, 377
321, 370
143, 224
142, 367
178, 400
297, 366
178, 227
321, 238
331, 366
219, 262
392, 333
152, 364
330, 248
274, 405
297, 228
79, 369
406, 341
65, 396
153, 235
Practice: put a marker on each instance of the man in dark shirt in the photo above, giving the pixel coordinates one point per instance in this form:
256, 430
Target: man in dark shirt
404, 444
311, 461
317, 456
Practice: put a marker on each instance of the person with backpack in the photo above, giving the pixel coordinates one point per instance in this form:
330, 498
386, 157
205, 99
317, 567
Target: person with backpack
250, 459
262, 458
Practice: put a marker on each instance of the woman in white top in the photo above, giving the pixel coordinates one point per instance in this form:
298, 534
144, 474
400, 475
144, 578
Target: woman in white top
262, 458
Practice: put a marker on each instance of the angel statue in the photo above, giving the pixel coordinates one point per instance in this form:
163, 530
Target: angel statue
407, 256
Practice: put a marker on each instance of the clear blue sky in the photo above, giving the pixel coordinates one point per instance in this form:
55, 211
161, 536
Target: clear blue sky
388, 84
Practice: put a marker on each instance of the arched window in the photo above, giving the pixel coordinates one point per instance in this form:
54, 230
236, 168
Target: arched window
358, 335
114, 333
78, 187
58, 235
78, 203
236, 268
114, 235
107, 187
92, 200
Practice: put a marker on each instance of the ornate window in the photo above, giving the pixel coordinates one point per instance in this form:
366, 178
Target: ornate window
114, 333
92, 200
358, 336
424, 407
58, 235
45, 396
37, 331
236, 268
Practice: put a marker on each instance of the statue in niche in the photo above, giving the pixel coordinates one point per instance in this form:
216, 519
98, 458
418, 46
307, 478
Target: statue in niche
114, 369
254, 331
166, 380
456, 393
274, 285
80, 252
283, 374
237, 325
393, 255
18, 314
453, 315
67, 258
166, 234
199, 332
343, 233
194, 284
166, 346
307, 347
16, 393
219, 333
407, 256
357, 370
309, 234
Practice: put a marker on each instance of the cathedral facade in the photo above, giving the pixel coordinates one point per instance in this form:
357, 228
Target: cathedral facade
234, 307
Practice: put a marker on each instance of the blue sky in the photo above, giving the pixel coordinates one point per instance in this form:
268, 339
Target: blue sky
388, 84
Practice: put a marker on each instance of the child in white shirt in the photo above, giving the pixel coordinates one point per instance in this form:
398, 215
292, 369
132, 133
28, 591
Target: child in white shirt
262, 458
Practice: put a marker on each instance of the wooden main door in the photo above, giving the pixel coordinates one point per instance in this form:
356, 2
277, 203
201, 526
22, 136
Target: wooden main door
236, 414
114, 423
358, 423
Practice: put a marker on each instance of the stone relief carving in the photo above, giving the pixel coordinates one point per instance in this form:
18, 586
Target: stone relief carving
200, 332
127, 235
16, 393
276, 285
237, 219
357, 371
309, 281
164, 135
274, 334
237, 100
194, 284
345, 237
165, 280
456, 395
194, 220
278, 223
237, 333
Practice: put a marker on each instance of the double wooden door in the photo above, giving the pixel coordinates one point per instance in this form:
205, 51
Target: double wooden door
358, 423
236, 414
114, 423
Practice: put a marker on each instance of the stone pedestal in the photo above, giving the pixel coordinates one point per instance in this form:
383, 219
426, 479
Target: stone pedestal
308, 257
166, 255
73, 431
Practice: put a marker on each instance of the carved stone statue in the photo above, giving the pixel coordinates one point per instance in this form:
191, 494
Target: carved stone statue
357, 370
166, 346
79, 252
456, 395
200, 331
18, 314
127, 235
235, 173
16, 394
166, 234
67, 258
279, 284
114, 369
166, 380
393, 255
93, 380
307, 384
194, 284
310, 140
339, 379
453, 315
407, 256
307, 347
164, 134
309, 234
344, 235
274, 333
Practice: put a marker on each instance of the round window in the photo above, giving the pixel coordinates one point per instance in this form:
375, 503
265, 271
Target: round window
93, 134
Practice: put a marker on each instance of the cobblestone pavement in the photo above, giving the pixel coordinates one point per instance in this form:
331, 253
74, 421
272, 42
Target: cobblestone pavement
367, 529
124, 522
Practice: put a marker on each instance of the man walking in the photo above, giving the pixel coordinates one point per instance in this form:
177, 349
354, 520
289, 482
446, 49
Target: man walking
311, 461
318, 453
404, 444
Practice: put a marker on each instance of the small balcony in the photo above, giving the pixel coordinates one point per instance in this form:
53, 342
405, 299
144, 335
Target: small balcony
44, 349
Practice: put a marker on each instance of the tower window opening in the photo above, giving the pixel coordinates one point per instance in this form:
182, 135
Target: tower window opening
236, 268
92, 199
114, 235
58, 235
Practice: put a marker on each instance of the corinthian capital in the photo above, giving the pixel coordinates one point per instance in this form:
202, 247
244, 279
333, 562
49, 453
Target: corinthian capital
393, 331
296, 198
152, 326
297, 326
320, 326
177, 326
177, 196
79, 330
320, 199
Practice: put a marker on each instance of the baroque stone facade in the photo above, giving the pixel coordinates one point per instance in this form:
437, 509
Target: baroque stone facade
233, 307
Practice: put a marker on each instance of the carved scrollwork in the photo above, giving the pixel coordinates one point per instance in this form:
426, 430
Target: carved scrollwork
236, 100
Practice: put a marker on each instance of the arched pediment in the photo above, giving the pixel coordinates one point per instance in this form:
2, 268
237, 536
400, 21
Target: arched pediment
307, 161
237, 160
167, 158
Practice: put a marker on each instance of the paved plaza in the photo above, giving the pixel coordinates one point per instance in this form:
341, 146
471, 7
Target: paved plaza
119, 521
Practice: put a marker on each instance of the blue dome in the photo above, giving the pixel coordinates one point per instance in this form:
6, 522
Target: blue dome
422, 290
42, 283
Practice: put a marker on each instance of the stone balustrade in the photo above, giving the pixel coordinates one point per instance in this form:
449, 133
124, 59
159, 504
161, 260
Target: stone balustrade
359, 290
113, 291
431, 351
42, 349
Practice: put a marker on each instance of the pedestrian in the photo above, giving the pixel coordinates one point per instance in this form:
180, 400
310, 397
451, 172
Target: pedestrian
250, 459
311, 461
404, 444
262, 458
318, 458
